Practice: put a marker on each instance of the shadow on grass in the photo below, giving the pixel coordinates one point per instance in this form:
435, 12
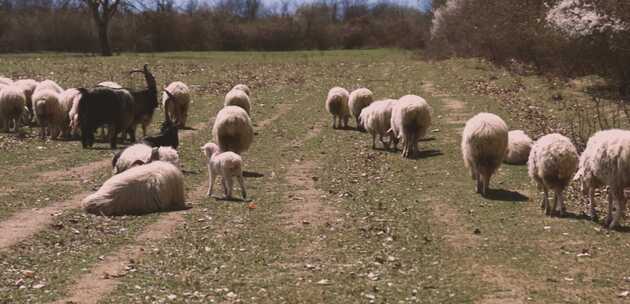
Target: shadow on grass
427, 139
252, 174
426, 154
505, 195
187, 128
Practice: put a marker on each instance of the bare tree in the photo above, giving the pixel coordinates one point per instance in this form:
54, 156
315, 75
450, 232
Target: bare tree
102, 12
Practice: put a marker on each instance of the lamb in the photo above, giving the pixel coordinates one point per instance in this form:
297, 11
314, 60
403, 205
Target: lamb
359, 99
5, 81
155, 187
519, 145
484, 142
101, 105
337, 106
410, 120
552, 163
233, 130
243, 88
176, 100
228, 165
167, 138
376, 119
143, 154
69, 100
606, 161
48, 112
238, 98
12, 104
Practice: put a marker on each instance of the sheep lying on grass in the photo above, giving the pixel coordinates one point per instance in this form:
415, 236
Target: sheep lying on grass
226, 164
140, 154
176, 100
606, 161
337, 106
12, 105
238, 98
376, 119
519, 145
410, 120
233, 130
484, 142
359, 99
154, 187
552, 163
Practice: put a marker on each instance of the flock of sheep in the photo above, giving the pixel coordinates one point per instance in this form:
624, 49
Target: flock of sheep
553, 161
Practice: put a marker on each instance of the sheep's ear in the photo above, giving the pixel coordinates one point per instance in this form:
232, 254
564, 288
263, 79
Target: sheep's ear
170, 95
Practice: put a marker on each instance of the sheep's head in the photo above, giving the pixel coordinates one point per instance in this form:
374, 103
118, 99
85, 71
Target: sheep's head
210, 149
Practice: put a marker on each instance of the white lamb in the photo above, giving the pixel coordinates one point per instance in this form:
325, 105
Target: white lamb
140, 154
226, 164
606, 161
176, 100
233, 130
12, 104
411, 118
359, 99
243, 88
552, 163
484, 142
158, 186
519, 145
238, 98
376, 119
337, 105
48, 113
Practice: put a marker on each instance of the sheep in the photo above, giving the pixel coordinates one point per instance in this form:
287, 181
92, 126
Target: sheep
243, 88
110, 84
4, 81
376, 119
519, 145
145, 103
142, 154
12, 104
102, 105
176, 100
337, 106
228, 165
154, 187
552, 163
28, 88
48, 85
606, 162
69, 102
237, 98
410, 120
167, 138
359, 99
484, 142
48, 112
233, 130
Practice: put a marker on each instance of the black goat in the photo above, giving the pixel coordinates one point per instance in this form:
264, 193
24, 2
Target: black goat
146, 101
167, 137
100, 106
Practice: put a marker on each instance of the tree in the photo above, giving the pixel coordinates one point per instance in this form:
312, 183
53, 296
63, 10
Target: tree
102, 12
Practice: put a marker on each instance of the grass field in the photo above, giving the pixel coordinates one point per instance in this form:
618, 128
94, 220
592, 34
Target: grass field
330, 220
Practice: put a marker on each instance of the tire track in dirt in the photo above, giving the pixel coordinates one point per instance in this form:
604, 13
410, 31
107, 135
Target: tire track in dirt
24, 224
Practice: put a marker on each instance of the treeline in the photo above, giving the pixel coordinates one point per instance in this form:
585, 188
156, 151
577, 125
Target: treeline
161, 25
564, 37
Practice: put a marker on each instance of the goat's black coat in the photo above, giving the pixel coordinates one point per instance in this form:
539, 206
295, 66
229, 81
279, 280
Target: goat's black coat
145, 101
167, 137
101, 105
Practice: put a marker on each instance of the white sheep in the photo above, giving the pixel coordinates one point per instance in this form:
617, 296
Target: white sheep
243, 88
48, 85
158, 186
28, 87
337, 106
376, 119
226, 164
606, 161
143, 154
359, 99
233, 130
484, 142
176, 100
519, 145
69, 103
5, 81
238, 98
48, 113
552, 163
410, 120
12, 104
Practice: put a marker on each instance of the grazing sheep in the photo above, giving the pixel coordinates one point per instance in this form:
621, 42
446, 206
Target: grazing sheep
28, 87
376, 119
12, 104
410, 120
154, 187
243, 88
145, 103
68, 100
48, 85
233, 130
100, 106
143, 154
237, 98
226, 164
167, 138
337, 105
606, 161
5, 81
484, 142
519, 145
359, 99
48, 112
552, 163
176, 100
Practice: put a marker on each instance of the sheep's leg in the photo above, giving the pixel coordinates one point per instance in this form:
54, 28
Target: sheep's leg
610, 209
229, 184
42, 132
373, 141
345, 121
113, 132
241, 182
334, 122
558, 203
224, 185
477, 178
620, 208
485, 182
591, 203
546, 201
211, 179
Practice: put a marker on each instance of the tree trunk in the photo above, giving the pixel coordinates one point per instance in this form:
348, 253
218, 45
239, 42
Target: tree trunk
103, 37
